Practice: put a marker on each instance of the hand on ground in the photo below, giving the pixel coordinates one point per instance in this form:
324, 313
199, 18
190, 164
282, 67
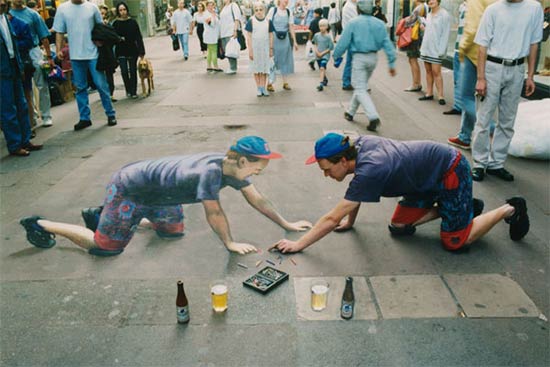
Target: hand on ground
299, 226
343, 226
286, 246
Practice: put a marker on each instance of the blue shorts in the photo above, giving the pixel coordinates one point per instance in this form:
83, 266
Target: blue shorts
121, 216
322, 63
454, 202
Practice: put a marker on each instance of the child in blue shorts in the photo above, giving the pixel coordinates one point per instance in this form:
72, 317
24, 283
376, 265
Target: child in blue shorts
322, 45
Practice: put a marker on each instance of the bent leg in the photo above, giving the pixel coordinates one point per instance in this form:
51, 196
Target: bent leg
80, 236
485, 222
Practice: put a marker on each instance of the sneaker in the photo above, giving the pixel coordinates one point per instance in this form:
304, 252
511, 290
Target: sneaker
501, 173
111, 120
478, 206
458, 143
36, 234
270, 88
478, 174
407, 230
347, 87
47, 122
91, 217
320, 87
373, 125
230, 72
82, 124
348, 117
325, 81
519, 221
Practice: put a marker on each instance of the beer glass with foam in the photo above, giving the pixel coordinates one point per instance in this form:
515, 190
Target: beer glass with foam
319, 294
219, 292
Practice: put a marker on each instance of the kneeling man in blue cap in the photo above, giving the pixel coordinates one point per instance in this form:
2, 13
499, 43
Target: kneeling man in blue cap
151, 193
434, 180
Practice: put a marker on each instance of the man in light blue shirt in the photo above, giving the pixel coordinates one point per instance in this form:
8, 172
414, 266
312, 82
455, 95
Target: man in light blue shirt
77, 18
363, 37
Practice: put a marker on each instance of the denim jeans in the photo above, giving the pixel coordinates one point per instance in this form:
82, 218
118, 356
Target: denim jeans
184, 43
363, 66
128, 69
468, 80
456, 80
80, 80
346, 75
14, 113
504, 85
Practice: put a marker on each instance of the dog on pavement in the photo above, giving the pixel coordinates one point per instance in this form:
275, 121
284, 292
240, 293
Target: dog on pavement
145, 70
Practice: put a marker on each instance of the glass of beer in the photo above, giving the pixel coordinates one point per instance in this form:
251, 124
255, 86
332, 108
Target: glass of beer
319, 295
218, 292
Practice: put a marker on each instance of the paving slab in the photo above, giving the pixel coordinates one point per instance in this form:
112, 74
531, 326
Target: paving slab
413, 296
490, 295
364, 305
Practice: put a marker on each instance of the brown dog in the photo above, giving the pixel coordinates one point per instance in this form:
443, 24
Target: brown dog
145, 70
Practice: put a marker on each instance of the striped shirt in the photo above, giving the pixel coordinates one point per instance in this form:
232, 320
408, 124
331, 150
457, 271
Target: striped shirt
460, 30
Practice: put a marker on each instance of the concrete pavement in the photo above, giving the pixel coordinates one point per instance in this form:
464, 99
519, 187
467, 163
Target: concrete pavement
422, 305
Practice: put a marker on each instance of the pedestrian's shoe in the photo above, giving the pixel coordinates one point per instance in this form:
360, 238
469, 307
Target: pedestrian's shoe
270, 88
373, 125
452, 111
47, 122
347, 87
113, 99
442, 101
20, 153
91, 217
32, 147
413, 89
265, 93
320, 87
259, 92
286, 86
312, 65
478, 206
33, 134
407, 230
185, 58
426, 98
134, 96
82, 124
36, 234
519, 221
325, 81
501, 173
230, 72
348, 117
111, 120
478, 174
458, 143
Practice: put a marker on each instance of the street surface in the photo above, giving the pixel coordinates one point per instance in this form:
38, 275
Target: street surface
416, 304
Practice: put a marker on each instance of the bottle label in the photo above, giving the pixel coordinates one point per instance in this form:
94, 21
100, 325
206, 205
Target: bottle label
347, 309
183, 314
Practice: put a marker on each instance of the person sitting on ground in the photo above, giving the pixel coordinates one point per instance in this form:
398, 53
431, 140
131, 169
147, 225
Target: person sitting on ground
151, 192
322, 45
424, 173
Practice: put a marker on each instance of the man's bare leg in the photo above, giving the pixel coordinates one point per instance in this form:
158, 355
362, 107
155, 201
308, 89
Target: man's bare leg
80, 236
484, 222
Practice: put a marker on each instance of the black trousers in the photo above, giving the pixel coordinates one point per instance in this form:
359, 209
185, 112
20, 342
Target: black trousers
128, 69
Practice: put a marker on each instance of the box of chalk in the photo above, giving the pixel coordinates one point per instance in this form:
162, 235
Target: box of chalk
266, 279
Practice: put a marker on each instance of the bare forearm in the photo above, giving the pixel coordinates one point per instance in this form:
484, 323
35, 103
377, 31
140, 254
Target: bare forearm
531, 59
324, 226
353, 215
218, 223
46, 44
58, 41
481, 61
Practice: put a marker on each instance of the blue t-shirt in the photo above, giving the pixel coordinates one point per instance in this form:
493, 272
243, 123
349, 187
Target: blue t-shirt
390, 168
323, 42
78, 21
35, 22
176, 180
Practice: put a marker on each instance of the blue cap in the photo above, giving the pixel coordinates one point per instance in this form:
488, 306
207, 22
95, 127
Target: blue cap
328, 146
254, 146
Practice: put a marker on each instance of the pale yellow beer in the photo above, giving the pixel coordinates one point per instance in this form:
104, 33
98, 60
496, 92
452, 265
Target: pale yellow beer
219, 297
319, 296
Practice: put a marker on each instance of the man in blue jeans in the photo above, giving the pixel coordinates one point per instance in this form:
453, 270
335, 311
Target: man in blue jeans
77, 18
349, 12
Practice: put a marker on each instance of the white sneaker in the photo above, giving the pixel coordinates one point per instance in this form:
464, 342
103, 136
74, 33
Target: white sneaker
47, 122
231, 72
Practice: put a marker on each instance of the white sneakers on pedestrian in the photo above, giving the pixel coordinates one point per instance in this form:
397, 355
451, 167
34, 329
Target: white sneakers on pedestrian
231, 72
47, 122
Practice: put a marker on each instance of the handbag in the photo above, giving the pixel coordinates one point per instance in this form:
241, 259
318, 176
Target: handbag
415, 32
400, 27
405, 38
240, 36
175, 42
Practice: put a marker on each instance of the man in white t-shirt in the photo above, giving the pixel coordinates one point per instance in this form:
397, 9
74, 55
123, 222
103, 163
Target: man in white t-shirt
181, 22
77, 18
349, 12
509, 32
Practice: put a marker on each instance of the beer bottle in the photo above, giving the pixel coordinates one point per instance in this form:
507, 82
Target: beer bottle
182, 305
348, 300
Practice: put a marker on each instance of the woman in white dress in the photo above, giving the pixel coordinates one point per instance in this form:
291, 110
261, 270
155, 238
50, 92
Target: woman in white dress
260, 40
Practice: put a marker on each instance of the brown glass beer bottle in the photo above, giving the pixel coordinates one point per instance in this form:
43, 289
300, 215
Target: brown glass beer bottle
348, 300
182, 305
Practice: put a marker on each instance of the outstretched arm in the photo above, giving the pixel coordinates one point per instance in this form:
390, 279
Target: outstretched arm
218, 222
264, 206
324, 226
